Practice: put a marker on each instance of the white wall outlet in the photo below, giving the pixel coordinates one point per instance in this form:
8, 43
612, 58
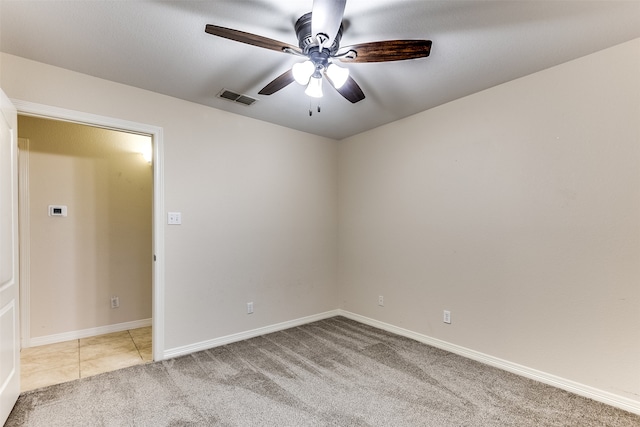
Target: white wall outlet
381, 301
447, 316
249, 308
174, 218
115, 302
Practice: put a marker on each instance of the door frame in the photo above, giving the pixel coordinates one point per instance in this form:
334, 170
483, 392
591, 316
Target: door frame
39, 110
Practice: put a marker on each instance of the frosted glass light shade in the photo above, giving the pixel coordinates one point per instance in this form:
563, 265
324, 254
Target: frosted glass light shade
337, 75
314, 88
303, 71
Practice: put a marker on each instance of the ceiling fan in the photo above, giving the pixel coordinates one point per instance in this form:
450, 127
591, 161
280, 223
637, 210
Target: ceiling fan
319, 33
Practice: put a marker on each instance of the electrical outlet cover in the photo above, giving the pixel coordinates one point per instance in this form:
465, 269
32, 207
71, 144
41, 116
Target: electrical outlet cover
174, 218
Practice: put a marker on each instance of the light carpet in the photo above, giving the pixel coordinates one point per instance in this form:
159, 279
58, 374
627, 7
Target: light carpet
334, 372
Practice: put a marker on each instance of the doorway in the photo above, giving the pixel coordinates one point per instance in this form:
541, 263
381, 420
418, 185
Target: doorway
109, 307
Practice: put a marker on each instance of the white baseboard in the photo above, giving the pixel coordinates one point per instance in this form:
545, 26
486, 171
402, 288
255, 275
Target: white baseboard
228, 339
84, 333
543, 377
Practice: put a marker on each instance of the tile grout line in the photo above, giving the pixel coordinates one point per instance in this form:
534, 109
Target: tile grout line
79, 368
135, 345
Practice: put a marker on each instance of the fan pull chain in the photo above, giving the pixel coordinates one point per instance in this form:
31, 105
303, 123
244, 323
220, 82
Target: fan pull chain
310, 110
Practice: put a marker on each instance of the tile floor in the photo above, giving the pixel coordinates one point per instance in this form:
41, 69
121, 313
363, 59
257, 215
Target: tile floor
57, 363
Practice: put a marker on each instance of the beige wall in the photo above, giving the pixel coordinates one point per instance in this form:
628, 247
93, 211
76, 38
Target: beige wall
258, 203
103, 246
517, 209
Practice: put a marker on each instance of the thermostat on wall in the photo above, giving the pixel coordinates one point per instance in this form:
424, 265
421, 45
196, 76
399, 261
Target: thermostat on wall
57, 210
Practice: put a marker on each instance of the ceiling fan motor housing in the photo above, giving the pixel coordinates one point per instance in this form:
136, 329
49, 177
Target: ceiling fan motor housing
306, 40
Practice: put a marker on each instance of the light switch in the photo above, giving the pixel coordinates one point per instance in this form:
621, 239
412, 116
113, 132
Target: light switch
174, 218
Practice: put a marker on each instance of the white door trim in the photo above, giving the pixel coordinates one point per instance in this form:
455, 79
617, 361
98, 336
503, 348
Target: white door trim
40, 110
25, 240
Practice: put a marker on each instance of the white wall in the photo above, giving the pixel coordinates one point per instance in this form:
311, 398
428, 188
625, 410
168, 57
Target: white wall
258, 203
103, 246
518, 209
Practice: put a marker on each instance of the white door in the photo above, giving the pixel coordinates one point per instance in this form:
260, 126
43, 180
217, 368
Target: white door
9, 335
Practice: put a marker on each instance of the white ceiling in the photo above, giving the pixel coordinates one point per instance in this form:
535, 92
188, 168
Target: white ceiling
162, 46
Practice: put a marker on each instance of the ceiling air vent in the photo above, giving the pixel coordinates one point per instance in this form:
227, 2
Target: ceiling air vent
236, 97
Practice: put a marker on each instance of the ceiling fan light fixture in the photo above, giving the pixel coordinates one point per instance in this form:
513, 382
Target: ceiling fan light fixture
303, 71
319, 33
314, 88
338, 75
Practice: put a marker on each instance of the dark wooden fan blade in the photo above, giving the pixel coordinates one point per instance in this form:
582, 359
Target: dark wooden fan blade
278, 83
390, 50
350, 90
252, 39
